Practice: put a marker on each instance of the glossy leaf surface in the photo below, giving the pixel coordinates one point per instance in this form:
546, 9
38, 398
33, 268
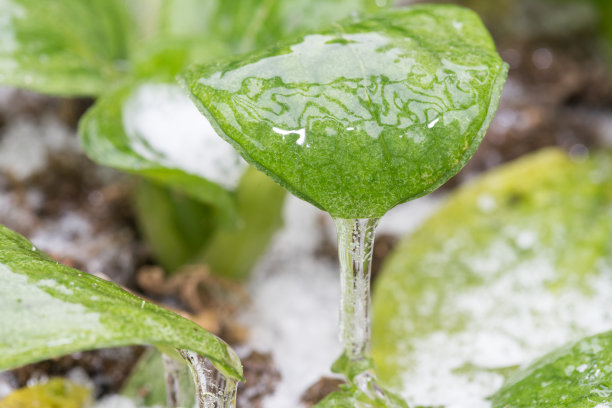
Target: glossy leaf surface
49, 309
66, 47
513, 265
576, 376
365, 115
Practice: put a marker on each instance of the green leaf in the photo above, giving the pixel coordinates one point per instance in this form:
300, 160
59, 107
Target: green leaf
181, 230
49, 309
364, 115
351, 396
260, 206
146, 385
175, 226
57, 392
245, 25
576, 376
64, 47
151, 129
507, 269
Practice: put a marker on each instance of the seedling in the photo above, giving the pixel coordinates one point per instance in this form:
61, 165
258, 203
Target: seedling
356, 119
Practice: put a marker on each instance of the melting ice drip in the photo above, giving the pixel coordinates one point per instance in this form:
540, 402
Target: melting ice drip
213, 389
355, 247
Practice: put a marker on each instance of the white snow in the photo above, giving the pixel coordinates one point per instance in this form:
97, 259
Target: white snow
164, 125
26, 144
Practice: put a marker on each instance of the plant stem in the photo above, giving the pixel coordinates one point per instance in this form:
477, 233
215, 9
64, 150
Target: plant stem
355, 245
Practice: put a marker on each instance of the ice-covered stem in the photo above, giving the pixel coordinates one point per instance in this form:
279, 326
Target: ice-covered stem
172, 374
355, 245
213, 389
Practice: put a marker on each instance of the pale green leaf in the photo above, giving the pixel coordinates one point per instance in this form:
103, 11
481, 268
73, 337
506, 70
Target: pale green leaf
512, 265
66, 47
49, 309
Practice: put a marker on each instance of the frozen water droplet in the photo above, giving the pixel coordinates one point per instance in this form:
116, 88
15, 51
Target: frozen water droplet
300, 132
433, 123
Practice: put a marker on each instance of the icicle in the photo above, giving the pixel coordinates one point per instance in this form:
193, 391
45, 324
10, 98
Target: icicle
355, 245
213, 389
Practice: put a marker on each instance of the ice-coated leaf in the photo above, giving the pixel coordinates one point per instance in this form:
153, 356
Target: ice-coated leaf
576, 376
511, 266
364, 115
49, 309
66, 47
152, 129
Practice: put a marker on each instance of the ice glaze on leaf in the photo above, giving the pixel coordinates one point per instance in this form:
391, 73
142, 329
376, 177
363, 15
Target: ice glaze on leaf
152, 129
365, 115
66, 47
49, 309
576, 376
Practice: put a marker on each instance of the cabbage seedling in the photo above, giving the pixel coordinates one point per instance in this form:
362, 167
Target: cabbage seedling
357, 119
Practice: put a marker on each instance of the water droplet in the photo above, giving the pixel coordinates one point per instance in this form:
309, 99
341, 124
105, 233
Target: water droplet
433, 123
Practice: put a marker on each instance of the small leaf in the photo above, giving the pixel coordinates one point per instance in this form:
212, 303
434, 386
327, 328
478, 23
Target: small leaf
65, 47
146, 384
576, 376
365, 115
245, 25
55, 393
351, 396
153, 130
259, 203
49, 309
175, 226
